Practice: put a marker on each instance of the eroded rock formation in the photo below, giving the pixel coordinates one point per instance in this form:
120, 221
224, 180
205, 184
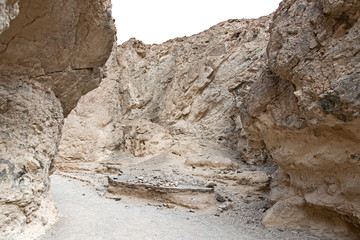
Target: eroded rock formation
297, 104
157, 95
51, 53
308, 115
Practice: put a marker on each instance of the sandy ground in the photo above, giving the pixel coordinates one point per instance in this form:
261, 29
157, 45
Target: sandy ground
83, 214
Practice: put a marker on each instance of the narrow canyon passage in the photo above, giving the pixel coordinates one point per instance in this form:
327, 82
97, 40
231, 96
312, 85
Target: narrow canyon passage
83, 214
253, 125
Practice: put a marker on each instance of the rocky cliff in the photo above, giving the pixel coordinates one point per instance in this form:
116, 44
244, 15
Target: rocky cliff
308, 115
170, 95
51, 53
296, 104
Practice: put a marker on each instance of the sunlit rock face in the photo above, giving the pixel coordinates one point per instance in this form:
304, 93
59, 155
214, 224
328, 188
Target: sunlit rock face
51, 53
308, 115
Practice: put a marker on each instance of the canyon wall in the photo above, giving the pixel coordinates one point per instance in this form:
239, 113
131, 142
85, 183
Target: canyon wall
52, 53
170, 96
287, 93
308, 115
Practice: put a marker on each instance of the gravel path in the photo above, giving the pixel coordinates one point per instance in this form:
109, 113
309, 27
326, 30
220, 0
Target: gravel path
83, 214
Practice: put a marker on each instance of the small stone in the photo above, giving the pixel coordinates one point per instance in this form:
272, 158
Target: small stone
101, 194
228, 199
226, 206
169, 205
222, 207
210, 184
219, 198
192, 211
332, 188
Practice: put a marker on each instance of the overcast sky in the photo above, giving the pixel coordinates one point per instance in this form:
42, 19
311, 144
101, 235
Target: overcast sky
156, 21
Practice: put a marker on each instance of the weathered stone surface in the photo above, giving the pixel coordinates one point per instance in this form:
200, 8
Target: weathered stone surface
191, 85
184, 88
89, 135
173, 107
298, 104
220, 162
9, 9
51, 53
60, 43
194, 197
31, 118
308, 115
315, 45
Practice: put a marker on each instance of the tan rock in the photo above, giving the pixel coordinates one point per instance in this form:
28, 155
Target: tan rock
51, 53
30, 133
69, 61
254, 178
257, 179
86, 134
8, 11
308, 113
218, 162
210, 184
170, 96
298, 105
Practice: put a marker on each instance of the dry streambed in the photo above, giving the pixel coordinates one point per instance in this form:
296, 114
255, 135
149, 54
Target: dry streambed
84, 214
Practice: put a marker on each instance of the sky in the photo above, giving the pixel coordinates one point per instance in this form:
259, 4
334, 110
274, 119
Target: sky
156, 21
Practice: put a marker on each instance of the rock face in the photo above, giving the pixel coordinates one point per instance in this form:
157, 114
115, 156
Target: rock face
88, 135
308, 115
8, 11
165, 96
51, 53
297, 104
64, 56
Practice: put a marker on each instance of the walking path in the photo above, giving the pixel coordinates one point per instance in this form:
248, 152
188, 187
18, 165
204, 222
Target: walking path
83, 214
